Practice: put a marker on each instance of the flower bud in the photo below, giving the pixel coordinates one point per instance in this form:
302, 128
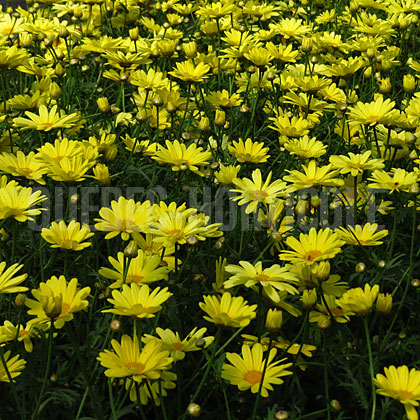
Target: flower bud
194, 410
103, 104
134, 34
409, 83
115, 325
20, 300
360, 267
381, 264
131, 250
307, 45
309, 298
220, 118
335, 405
383, 304
281, 415
274, 320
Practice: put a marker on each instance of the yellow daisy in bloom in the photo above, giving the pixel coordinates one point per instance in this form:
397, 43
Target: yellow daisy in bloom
227, 174
398, 180
215, 10
221, 98
124, 217
372, 113
260, 57
58, 150
313, 176
22, 165
46, 120
305, 147
322, 313
256, 192
247, 372
356, 164
14, 366
271, 278
138, 301
172, 342
364, 236
70, 236
175, 228
402, 385
56, 300
189, 72
17, 202
9, 332
358, 301
181, 157
69, 169
290, 127
142, 269
129, 360
228, 311
8, 283
249, 151
316, 246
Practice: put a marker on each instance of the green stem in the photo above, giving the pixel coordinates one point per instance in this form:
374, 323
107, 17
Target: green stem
369, 348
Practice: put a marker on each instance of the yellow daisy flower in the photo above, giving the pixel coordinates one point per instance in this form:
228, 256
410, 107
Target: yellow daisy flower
372, 113
172, 342
14, 366
246, 371
316, 246
22, 165
142, 269
69, 169
358, 301
364, 236
305, 147
129, 360
46, 120
227, 174
124, 217
402, 385
228, 311
181, 157
356, 164
9, 332
189, 72
322, 315
255, 192
221, 98
69, 236
56, 300
249, 151
398, 180
138, 301
8, 283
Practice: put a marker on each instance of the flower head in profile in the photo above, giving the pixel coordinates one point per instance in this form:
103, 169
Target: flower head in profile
189, 72
372, 113
398, 180
256, 192
313, 247
358, 301
402, 385
46, 120
129, 360
227, 174
124, 217
14, 365
362, 236
182, 157
356, 164
142, 269
138, 301
228, 311
24, 334
22, 165
249, 151
178, 347
70, 236
56, 301
246, 371
9, 283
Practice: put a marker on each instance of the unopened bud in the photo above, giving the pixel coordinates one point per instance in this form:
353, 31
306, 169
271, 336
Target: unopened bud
360, 267
194, 410
115, 325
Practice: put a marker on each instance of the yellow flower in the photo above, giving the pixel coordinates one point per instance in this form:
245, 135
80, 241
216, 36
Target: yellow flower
384, 304
398, 180
14, 366
8, 283
249, 151
172, 342
313, 176
46, 120
313, 247
260, 57
69, 236
124, 217
181, 157
16, 202
358, 301
356, 164
305, 147
223, 99
23, 165
56, 300
246, 372
137, 301
128, 360
364, 236
215, 10
271, 278
228, 311
101, 174
61, 148
290, 127
372, 113
227, 174
189, 72
8, 332
322, 313
255, 191
152, 80
69, 169
274, 319
402, 385
142, 269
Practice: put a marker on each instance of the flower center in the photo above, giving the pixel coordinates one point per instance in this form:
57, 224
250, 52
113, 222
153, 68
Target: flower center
135, 367
134, 277
177, 346
253, 377
405, 395
259, 195
312, 255
65, 308
263, 277
372, 118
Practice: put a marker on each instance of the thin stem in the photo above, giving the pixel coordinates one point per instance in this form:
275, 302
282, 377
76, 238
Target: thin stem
369, 348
